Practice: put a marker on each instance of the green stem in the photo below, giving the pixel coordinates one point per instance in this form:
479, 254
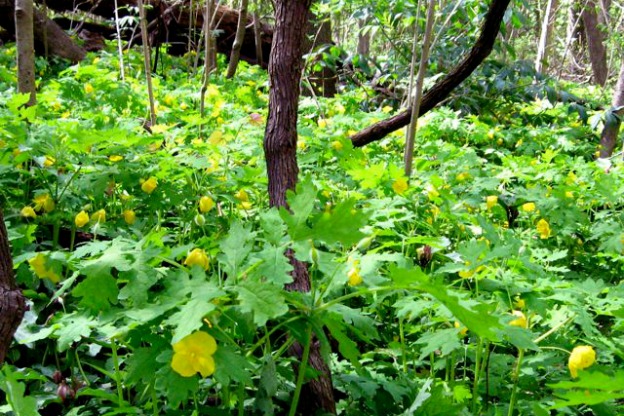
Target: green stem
241, 400
82, 372
477, 370
117, 373
154, 399
301, 375
403, 350
516, 376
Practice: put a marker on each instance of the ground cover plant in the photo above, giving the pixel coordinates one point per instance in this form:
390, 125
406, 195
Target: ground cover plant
154, 269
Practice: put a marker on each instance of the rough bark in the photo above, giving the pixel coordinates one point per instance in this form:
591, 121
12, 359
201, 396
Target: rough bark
280, 148
608, 139
25, 49
595, 43
12, 304
481, 49
238, 40
324, 81
58, 42
545, 41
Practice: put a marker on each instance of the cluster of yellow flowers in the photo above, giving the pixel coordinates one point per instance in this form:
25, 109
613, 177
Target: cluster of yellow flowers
194, 354
82, 218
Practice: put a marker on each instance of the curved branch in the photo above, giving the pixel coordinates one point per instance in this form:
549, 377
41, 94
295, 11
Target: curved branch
481, 49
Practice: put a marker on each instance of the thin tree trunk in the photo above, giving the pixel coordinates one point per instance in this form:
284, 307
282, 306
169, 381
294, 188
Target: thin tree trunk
608, 139
119, 45
25, 49
544, 47
323, 82
12, 304
238, 40
363, 46
595, 44
146, 59
441, 90
422, 68
257, 35
280, 149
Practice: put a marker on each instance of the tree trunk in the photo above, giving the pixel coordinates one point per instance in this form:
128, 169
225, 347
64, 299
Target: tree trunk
238, 40
12, 304
24, 36
545, 42
608, 139
280, 148
59, 43
441, 90
595, 43
324, 81
363, 46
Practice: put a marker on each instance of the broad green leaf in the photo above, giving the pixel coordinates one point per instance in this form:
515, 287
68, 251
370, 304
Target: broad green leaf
97, 291
301, 205
174, 387
236, 247
264, 301
273, 226
142, 362
231, 366
444, 340
20, 404
275, 266
189, 318
342, 225
346, 346
73, 329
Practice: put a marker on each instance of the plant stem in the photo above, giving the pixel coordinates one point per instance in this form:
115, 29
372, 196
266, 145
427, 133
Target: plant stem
117, 373
301, 375
475, 385
516, 376
241, 400
154, 399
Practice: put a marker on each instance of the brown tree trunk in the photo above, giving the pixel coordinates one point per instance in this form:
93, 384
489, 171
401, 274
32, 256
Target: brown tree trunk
363, 46
24, 36
324, 81
595, 43
441, 90
12, 304
58, 42
280, 148
608, 139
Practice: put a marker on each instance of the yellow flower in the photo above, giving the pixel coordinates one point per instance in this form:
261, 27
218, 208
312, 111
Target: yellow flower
193, 354
519, 303
432, 192
206, 204
354, 275
491, 201
245, 205
582, 357
28, 212
463, 331
543, 228
528, 207
520, 320
242, 196
99, 216
322, 123
48, 161
569, 194
82, 218
44, 202
197, 257
336, 145
38, 264
88, 88
400, 185
129, 216
115, 158
149, 185
462, 177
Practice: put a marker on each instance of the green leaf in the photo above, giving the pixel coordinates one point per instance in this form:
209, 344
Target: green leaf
14, 390
273, 226
97, 292
342, 225
346, 346
444, 340
263, 300
115, 256
230, 366
235, 247
275, 266
142, 362
301, 205
73, 329
520, 337
189, 318
174, 387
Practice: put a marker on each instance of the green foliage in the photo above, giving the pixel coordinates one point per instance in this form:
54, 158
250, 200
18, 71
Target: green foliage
413, 284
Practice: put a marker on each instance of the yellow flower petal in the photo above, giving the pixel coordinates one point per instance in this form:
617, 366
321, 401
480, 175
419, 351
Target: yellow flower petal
28, 212
581, 357
206, 204
82, 218
197, 257
149, 185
